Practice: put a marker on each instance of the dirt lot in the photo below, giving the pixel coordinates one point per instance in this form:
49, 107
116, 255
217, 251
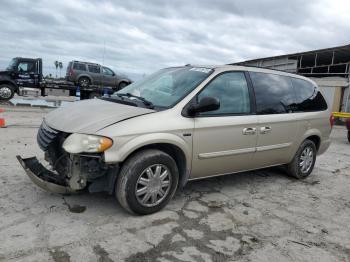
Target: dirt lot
255, 216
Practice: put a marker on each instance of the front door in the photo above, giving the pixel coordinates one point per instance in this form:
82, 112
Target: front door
26, 73
224, 140
109, 77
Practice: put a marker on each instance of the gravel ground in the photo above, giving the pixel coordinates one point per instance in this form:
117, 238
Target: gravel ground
254, 216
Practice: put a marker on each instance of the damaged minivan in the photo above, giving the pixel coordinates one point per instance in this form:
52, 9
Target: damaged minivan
179, 124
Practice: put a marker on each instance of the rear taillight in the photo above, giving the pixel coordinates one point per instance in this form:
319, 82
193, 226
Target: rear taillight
71, 72
331, 120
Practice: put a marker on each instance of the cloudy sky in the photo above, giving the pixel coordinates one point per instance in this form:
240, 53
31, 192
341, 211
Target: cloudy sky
139, 37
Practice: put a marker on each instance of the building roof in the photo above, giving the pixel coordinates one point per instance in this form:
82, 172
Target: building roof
334, 61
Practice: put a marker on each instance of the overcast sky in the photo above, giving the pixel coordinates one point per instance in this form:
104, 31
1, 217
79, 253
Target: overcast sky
142, 36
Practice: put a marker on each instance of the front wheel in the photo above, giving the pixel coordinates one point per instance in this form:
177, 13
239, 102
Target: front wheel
6, 92
147, 182
122, 85
304, 160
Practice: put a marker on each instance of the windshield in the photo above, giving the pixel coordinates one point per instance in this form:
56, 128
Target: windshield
12, 64
167, 86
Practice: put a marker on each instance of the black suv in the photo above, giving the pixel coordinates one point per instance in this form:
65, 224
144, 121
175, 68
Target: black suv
85, 74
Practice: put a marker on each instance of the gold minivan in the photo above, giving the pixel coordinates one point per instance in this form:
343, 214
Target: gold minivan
180, 124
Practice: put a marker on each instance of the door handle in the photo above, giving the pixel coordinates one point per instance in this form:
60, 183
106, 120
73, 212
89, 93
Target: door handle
249, 131
265, 129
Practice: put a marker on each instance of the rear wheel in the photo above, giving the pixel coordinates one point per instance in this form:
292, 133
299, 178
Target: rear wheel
84, 81
147, 182
303, 161
6, 92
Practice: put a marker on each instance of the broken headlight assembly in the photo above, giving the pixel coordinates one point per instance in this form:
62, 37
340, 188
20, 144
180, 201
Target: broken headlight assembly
80, 143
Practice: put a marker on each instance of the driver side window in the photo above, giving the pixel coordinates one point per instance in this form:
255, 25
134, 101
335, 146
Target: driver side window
107, 71
232, 91
25, 67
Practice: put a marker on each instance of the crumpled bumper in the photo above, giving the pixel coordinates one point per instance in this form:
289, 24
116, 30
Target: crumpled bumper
43, 177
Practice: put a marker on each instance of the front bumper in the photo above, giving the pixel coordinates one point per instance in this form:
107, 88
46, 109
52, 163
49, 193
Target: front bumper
43, 177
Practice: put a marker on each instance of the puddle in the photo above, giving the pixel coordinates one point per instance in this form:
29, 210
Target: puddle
38, 102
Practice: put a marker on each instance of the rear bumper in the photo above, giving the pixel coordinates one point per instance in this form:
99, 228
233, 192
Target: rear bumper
43, 177
324, 146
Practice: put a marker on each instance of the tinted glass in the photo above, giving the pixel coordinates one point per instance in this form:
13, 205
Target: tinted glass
232, 91
79, 66
273, 93
308, 97
94, 69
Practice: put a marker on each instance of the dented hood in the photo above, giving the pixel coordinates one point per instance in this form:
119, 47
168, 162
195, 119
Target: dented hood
89, 116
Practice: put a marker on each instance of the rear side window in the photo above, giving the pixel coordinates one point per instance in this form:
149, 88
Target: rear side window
94, 69
79, 66
274, 93
232, 91
308, 97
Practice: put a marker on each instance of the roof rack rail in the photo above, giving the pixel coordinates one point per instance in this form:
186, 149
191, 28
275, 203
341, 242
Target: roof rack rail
252, 66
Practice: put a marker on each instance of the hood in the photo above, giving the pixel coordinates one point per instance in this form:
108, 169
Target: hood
4, 73
91, 115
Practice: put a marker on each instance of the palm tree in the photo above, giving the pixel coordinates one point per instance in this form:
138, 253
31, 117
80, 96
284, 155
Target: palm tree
60, 65
56, 65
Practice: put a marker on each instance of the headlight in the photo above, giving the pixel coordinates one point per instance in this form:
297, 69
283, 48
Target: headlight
79, 143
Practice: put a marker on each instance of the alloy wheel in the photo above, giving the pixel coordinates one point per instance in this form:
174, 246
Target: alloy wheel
306, 159
153, 185
5, 92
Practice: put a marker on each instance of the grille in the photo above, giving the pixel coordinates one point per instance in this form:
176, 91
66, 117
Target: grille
46, 136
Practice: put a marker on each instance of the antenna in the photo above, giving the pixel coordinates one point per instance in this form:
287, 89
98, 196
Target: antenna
104, 51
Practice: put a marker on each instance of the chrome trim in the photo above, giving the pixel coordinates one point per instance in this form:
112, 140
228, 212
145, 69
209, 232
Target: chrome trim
272, 147
249, 131
226, 153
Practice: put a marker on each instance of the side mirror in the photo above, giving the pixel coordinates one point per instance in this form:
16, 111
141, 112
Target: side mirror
206, 104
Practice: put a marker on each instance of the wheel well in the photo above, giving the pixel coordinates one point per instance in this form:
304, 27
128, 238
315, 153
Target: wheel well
174, 151
316, 140
123, 82
80, 77
8, 83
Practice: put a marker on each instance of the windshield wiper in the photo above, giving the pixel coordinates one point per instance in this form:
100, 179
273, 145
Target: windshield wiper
144, 100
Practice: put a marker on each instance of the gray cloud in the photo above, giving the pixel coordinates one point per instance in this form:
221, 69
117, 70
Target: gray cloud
143, 36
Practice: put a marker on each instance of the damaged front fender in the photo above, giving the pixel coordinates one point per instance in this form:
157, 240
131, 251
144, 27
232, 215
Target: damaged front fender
43, 177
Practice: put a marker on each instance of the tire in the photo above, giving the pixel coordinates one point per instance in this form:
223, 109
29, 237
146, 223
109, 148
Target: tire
132, 177
295, 168
84, 81
122, 85
349, 136
6, 92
